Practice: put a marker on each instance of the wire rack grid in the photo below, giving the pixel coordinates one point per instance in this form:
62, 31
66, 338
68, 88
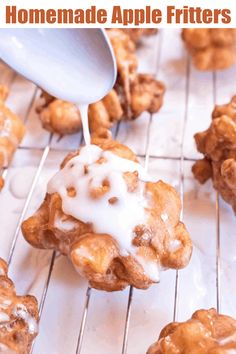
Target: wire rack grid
128, 322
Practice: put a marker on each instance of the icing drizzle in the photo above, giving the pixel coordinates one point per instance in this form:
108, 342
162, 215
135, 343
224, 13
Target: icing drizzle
101, 196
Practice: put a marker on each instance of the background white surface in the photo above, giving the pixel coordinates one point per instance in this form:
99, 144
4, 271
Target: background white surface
187, 108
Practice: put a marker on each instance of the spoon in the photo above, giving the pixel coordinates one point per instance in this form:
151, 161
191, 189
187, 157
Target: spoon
75, 65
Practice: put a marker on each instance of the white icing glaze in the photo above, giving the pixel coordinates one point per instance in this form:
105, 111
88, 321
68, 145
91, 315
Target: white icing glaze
119, 219
83, 252
164, 217
21, 181
5, 349
22, 312
64, 225
4, 317
230, 339
174, 245
85, 123
2, 271
4, 304
151, 269
6, 132
4, 152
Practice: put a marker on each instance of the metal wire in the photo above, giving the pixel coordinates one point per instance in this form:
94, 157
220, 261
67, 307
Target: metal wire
44, 156
33, 99
45, 152
146, 163
218, 256
45, 291
84, 320
141, 156
218, 260
181, 181
28, 199
147, 156
130, 297
50, 270
88, 295
127, 321
4, 171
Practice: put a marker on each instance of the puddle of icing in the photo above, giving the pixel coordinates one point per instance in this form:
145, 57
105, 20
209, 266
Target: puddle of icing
21, 181
85, 123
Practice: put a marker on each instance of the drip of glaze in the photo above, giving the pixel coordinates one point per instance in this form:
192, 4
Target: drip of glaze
20, 183
4, 317
229, 339
5, 349
6, 132
85, 123
21, 311
2, 271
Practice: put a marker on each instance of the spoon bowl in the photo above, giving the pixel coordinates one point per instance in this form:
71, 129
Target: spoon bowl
75, 65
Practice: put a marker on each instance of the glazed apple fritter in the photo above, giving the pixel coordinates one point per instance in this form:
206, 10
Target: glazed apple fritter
18, 317
211, 48
12, 131
115, 224
207, 332
218, 145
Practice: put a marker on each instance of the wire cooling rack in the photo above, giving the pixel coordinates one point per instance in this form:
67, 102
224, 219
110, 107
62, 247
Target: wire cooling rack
73, 317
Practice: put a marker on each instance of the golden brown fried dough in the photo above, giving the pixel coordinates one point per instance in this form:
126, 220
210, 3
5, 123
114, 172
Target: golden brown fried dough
146, 95
137, 33
218, 145
161, 242
12, 131
18, 317
60, 116
1, 183
211, 49
132, 94
207, 332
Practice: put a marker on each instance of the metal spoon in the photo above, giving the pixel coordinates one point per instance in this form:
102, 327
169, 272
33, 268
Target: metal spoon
76, 65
